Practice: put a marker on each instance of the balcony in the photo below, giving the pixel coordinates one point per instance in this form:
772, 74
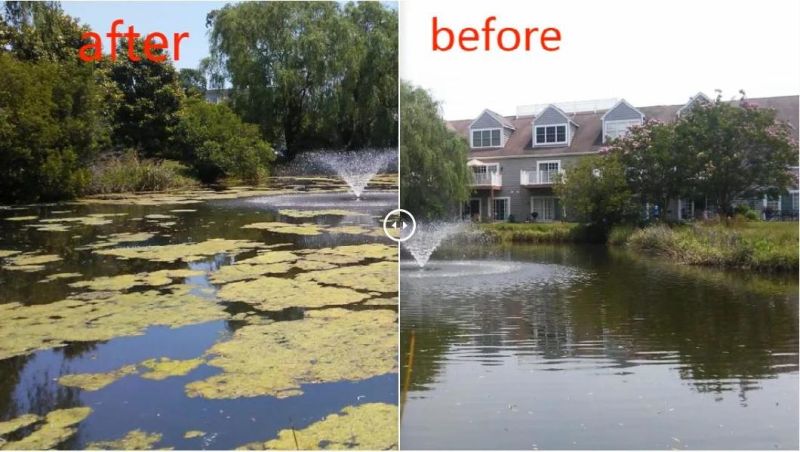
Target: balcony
537, 178
487, 180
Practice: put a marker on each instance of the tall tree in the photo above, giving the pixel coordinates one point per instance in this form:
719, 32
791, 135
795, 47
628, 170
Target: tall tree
434, 178
657, 169
151, 96
595, 190
39, 31
740, 150
310, 74
193, 82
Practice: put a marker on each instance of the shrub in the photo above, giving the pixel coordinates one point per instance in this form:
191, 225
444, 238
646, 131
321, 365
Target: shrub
51, 127
218, 144
128, 173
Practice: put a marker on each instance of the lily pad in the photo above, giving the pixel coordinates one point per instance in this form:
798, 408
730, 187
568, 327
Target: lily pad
119, 238
193, 434
22, 218
371, 426
57, 428
165, 367
95, 381
277, 358
133, 440
7, 253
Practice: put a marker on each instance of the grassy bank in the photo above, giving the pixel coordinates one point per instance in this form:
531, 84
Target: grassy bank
534, 232
129, 174
763, 246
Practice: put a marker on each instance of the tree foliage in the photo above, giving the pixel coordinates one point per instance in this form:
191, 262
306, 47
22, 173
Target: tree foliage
595, 190
433, 160
193, 82
50, 128
739, 151
151, 96
39, 31
310, 74
656, 168
218, 144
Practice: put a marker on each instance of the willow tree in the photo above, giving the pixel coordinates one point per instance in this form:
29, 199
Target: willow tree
310, 74
434, 178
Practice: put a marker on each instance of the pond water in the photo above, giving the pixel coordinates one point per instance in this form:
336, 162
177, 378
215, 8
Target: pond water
568, 347
246, 325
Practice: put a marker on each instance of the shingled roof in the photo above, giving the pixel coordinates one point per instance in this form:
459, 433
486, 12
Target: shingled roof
588, 137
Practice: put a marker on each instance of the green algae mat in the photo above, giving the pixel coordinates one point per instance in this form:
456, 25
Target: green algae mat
196, 320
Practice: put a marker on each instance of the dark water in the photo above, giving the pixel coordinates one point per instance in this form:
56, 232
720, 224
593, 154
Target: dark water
580, 347
28, 383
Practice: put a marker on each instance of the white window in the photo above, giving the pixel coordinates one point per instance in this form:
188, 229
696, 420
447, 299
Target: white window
556, 134
548, 171
543, 208
486, 138
616, 129
794, 195
500, 207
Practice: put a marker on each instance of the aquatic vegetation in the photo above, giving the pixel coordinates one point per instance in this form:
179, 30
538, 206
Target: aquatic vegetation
183, 210
275, 294
117, 239
270, 257
29, 262
124, 282
187, 252
133, 440
294, 213
381, 302
351, 254
98, 316
375, 277
193, 434
350, 229
58, 427
178, 197
164, 367
325, 346
17, 423
95, 381
22, 218
89, 220
240, 272
287, 228
7, 253
371, 426
158, 216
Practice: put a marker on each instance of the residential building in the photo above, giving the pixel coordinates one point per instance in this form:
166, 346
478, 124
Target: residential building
515, 159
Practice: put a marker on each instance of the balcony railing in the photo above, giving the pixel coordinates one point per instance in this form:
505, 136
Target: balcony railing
490, 179
538, 177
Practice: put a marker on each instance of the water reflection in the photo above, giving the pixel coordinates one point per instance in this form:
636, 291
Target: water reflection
633, 338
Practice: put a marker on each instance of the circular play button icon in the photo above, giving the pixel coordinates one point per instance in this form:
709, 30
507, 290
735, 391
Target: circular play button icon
399, 225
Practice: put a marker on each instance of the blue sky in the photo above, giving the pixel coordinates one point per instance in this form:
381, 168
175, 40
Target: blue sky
147, 17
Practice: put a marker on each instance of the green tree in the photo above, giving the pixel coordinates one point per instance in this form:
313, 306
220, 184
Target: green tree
218, 144
656, 168
39, 31
434, 177
193, 82
151, 96
310, 74
739, 150
51, 126
595, 190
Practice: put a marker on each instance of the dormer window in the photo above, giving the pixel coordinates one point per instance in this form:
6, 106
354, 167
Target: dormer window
486, 138
555, 134
619, 119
